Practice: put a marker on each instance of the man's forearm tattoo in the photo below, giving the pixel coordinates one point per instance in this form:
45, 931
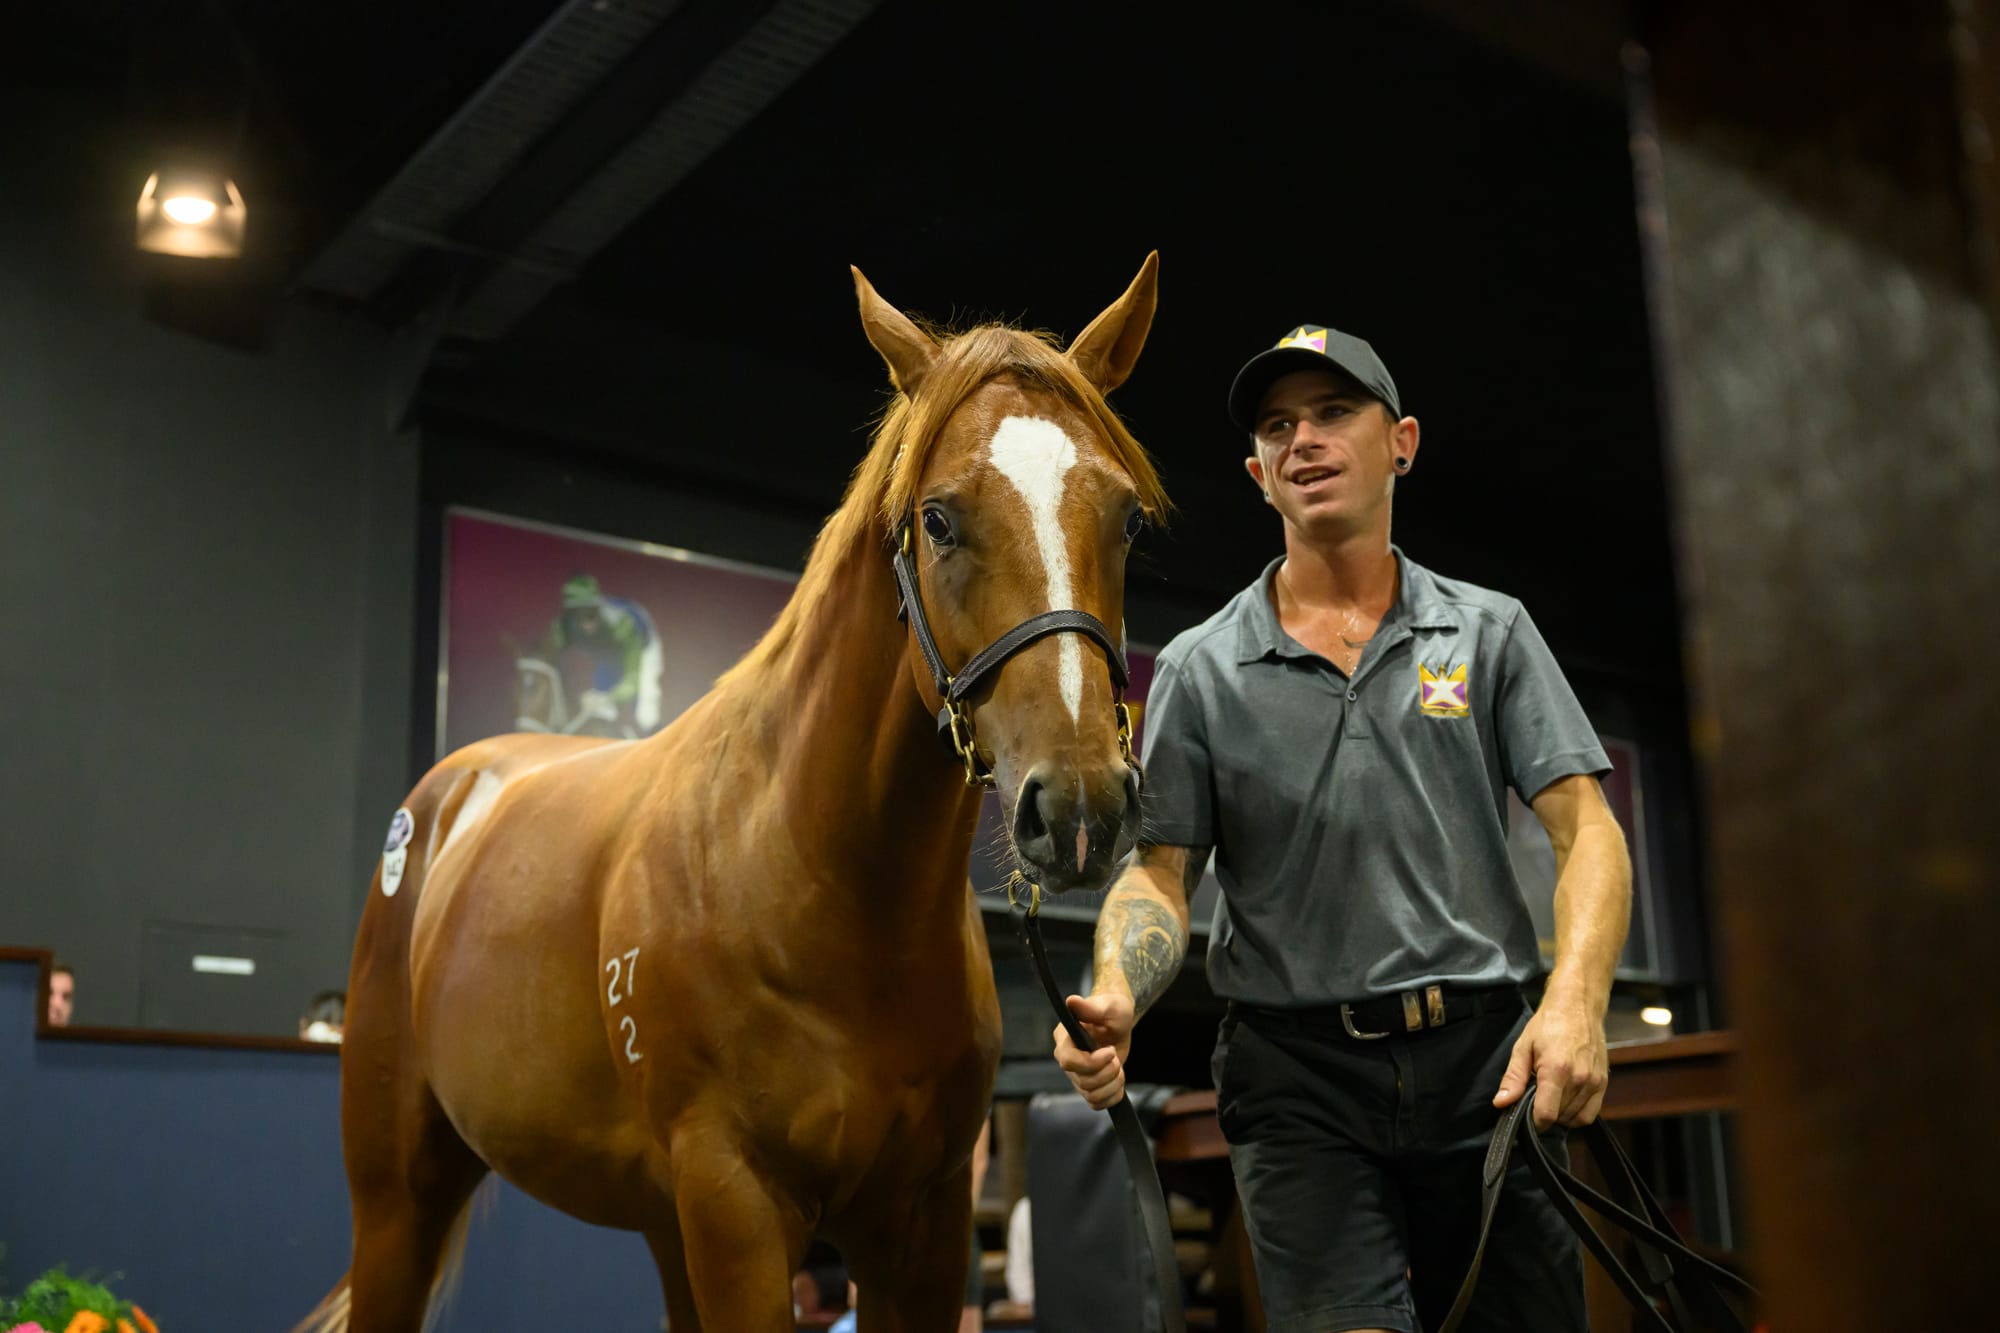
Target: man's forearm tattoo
1150, 949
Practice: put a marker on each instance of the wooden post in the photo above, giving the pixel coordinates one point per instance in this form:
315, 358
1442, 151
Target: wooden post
1834, 420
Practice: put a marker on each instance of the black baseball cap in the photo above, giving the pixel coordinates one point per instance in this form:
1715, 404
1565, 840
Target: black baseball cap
1309, 347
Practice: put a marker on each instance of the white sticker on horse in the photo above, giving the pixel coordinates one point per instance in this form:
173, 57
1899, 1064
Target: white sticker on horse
1035, 456
396, 850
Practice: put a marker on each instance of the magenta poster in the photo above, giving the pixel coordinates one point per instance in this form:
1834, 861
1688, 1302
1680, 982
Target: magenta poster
550, 629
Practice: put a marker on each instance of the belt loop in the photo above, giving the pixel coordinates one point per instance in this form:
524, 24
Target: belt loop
1434, 997
1413, 1016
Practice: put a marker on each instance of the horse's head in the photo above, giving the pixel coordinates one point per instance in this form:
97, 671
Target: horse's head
1016, 492
538, 696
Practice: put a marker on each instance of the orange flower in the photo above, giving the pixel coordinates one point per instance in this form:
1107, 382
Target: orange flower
125, 1326
88, 1321
146, 1324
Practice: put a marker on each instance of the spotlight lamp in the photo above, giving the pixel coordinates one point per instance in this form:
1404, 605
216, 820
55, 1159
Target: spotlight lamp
195, 215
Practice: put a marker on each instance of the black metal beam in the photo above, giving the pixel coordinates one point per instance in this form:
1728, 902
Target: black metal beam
659, 69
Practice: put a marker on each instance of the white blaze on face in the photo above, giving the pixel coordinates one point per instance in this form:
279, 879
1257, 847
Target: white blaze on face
1036, 456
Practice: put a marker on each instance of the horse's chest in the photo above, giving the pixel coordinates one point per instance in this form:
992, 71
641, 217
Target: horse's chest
861, 1123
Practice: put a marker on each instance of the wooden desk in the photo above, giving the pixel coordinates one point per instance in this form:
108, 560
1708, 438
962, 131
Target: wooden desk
1675, 1076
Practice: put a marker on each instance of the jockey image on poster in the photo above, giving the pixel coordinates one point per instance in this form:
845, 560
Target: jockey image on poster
618, 638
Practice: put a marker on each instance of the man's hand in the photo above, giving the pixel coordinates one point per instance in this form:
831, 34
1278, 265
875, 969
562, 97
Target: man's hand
1141, 941
1107, 1019
1562, 1049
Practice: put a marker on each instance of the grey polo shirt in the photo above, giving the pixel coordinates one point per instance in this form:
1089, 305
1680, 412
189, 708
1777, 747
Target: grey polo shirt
1360, 826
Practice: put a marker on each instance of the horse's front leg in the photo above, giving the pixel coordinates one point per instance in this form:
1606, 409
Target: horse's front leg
741, 1239
910, 1274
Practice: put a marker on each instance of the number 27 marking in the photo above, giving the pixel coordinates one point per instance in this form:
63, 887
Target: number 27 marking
631, 968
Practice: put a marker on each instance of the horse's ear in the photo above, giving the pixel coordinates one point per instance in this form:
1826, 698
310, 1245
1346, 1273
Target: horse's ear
1107, 350
907, 348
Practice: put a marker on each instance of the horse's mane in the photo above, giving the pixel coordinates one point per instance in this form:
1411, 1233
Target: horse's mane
884, 486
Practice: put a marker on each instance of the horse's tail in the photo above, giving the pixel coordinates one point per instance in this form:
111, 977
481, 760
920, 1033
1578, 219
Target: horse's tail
330, 1315
452, 1265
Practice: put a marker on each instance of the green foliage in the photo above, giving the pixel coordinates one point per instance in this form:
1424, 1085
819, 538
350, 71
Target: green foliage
54, 1298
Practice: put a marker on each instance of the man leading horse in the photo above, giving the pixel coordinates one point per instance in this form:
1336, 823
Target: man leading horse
1341, 735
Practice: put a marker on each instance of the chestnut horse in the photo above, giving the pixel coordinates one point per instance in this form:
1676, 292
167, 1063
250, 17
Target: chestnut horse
727, 986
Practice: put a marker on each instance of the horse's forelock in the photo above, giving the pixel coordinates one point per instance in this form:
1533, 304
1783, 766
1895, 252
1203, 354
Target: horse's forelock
908, 433
884, 486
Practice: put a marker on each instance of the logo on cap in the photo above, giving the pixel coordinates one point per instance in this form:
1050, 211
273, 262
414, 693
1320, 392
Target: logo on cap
1303, 336
1442, 693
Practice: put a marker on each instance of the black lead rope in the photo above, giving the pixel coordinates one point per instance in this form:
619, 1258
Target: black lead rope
1132, 1138
1674, 1273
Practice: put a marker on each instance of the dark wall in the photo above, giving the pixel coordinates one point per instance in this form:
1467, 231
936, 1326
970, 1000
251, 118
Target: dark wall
210, 1183
206, 562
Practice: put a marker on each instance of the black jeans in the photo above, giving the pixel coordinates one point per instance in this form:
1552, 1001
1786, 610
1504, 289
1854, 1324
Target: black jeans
1358, 1164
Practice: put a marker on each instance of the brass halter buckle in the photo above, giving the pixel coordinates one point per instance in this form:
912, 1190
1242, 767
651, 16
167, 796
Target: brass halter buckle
1124, 733
962, 744
1019, 882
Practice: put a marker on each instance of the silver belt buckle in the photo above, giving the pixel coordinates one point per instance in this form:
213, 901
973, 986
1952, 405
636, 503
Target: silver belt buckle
1347, 1022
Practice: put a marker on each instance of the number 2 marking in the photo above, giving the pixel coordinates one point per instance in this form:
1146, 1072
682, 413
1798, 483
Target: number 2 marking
631, 1030
631, 970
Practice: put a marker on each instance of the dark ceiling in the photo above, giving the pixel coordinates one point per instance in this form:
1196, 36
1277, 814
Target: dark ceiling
1384, 167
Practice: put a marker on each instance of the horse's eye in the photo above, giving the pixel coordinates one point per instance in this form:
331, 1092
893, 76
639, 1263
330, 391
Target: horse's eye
1135, 525
937, 527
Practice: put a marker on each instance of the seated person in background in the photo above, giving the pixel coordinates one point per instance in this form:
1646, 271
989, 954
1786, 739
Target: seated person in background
1020, 1300
816, 1293
62, 994
845, 1324
325, 1018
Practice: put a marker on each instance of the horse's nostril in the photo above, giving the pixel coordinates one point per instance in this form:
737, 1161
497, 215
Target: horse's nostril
1029, 826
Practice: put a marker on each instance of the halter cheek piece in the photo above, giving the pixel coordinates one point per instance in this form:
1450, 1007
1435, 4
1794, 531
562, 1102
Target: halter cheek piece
955, 728
955, 714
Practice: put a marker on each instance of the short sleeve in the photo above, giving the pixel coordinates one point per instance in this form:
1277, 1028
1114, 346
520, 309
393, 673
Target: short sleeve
1544, 734
1177, 802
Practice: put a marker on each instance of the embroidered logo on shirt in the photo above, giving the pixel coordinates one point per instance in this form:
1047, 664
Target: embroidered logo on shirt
1442, 693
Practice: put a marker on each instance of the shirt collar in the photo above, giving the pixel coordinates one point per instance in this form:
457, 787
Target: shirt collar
1259, 635
1418, 602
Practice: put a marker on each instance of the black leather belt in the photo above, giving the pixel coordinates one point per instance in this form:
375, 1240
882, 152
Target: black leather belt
1401, 1014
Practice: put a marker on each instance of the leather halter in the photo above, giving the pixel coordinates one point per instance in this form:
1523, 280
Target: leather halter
955, 713
955, 728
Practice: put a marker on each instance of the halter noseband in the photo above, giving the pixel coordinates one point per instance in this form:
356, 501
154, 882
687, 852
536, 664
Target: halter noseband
955, 716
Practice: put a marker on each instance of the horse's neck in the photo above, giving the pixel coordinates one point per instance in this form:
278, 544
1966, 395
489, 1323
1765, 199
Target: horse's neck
871, 792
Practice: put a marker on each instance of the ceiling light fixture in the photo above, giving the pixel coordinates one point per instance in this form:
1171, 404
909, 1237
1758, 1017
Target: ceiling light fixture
196, 215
